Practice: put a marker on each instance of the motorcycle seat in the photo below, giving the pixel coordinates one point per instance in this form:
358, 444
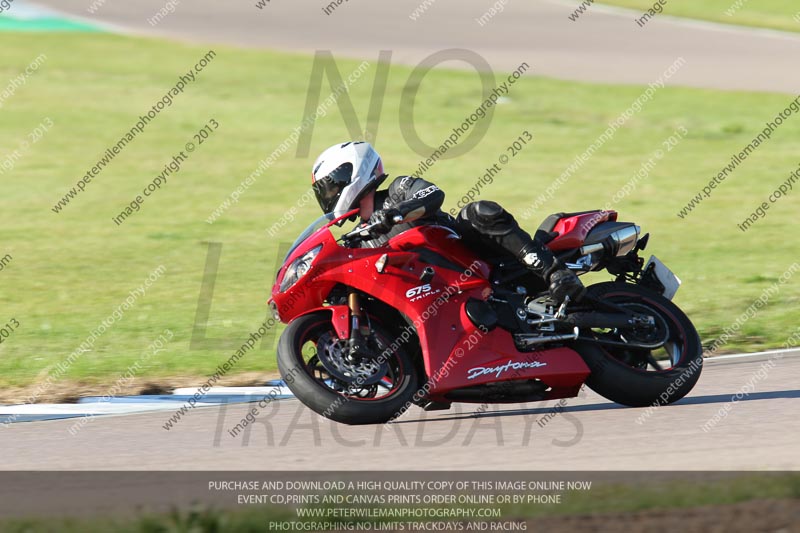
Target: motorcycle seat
545, 233
550, 222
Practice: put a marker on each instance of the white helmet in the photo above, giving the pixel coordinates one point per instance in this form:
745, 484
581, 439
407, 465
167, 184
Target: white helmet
345, 173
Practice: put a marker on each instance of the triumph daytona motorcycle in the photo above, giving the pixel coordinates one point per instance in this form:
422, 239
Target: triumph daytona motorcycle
424, 320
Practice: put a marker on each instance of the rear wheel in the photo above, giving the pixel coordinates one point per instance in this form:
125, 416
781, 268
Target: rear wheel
640, 377
320, 370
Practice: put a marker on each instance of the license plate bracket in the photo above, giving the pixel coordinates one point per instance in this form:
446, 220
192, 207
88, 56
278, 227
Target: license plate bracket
665, 277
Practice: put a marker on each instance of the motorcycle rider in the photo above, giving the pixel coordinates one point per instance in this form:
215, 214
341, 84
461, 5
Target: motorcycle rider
346, 176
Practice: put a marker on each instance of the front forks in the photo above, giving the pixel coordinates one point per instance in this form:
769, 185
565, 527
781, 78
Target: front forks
359, 326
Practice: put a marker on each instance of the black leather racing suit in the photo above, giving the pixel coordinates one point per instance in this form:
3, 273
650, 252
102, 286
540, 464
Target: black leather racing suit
484, 225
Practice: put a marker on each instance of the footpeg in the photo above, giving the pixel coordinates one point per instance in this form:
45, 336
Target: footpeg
527, 341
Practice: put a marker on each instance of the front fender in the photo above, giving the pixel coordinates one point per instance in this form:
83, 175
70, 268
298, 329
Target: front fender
340, 318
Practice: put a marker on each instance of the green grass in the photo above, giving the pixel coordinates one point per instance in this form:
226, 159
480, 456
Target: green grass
71, 270
775, 14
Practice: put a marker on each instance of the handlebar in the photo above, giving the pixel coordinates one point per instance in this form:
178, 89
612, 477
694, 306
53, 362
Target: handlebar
366, 231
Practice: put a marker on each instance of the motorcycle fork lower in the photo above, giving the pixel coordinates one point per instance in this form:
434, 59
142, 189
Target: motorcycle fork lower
359, 324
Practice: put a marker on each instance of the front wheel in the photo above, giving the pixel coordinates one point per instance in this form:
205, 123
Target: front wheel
320, 370
639, 377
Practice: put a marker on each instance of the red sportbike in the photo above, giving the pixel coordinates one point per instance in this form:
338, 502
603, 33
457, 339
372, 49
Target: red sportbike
425, 320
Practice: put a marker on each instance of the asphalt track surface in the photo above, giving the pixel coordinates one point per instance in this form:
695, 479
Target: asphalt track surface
759, 432
603, 45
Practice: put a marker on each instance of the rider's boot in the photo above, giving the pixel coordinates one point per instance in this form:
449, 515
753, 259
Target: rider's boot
492, 222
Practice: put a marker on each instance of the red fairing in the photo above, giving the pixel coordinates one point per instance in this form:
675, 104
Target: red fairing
478, 358
456, 354
572, 231
442, 240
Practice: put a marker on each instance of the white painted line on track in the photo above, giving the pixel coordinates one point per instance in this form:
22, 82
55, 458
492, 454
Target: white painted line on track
234, 391
99, 406
790, 353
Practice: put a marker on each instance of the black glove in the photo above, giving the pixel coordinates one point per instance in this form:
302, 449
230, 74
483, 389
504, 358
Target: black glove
385, 220
565, 282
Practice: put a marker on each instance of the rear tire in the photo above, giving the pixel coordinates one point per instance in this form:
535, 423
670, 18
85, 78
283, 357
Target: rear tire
613, 374
305, 379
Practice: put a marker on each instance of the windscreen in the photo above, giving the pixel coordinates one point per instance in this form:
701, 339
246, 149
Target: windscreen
308, 232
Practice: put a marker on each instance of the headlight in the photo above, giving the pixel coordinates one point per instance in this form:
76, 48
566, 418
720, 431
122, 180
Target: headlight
299, 268
274, 308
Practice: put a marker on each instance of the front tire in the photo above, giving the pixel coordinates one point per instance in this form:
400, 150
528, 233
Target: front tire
328, 394
622, 375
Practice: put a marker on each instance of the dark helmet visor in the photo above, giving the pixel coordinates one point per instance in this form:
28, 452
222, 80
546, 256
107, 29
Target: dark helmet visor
329, 188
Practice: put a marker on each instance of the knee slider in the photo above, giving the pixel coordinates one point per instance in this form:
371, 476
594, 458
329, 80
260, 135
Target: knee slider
488, 210
490, 218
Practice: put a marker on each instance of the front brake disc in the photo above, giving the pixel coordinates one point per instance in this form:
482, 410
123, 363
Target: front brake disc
334, 355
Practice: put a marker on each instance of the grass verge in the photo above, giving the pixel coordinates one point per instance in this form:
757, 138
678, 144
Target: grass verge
773, 14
